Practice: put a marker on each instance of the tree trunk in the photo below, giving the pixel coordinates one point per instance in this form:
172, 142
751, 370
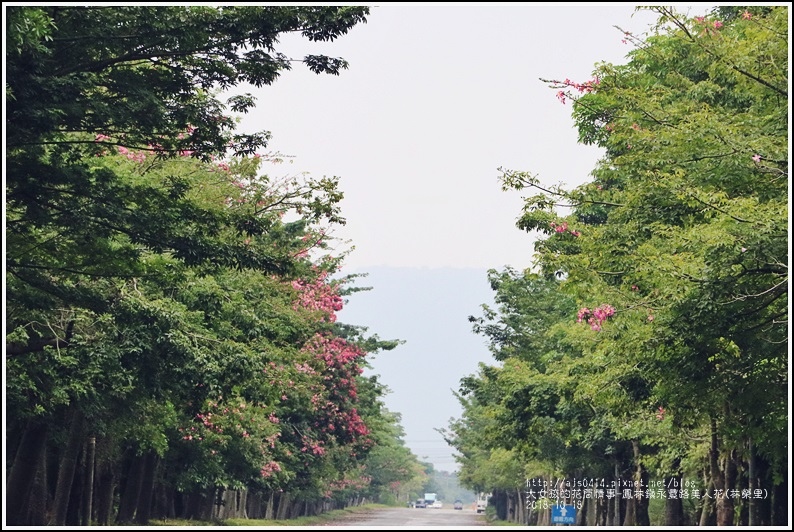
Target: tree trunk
521, 509
193, 505
269, 510
253, 505
143, 504
294, 510
717, 478
752, 483
21, 477
706, 506
66, 470
88, 487
106, 488
641, 517
724, 503
613, 516
76, 493
543, 516
779, 503
283, 506
242, 505
163, 504
39, 500
673, 505
130, 491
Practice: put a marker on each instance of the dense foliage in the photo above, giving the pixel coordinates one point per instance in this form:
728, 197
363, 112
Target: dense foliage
649, 342
172, 346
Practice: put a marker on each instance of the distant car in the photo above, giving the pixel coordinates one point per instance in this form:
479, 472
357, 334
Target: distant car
420, 503
458, 505
437, 504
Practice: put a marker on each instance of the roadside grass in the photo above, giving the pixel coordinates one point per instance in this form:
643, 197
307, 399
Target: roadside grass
311, 520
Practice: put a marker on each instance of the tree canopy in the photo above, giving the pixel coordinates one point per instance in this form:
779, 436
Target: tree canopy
171, 333
676, 256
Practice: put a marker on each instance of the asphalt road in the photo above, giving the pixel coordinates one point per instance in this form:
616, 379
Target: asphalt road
414, 517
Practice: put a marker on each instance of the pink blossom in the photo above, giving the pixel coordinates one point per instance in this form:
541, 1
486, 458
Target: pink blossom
757, 158
747, 15
717, 24
561, 97
597, 316
660, 413
270, 468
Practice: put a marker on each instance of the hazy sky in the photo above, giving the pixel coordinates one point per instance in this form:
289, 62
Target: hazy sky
436, 98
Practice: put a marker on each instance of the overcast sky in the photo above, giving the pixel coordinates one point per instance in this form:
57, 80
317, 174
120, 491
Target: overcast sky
436, 98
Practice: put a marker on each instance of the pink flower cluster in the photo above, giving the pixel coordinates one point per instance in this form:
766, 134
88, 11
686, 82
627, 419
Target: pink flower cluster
305, 368
561, 96
709, 27
587, 86
334, 408
563, 228
335, 352
595, 317
318, 295
356, 483
315, 447
270, 468
137, 157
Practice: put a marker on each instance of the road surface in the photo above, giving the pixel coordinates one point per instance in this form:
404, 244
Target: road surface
414, 517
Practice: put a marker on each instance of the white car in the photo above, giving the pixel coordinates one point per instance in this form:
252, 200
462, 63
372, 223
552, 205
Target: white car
437, 504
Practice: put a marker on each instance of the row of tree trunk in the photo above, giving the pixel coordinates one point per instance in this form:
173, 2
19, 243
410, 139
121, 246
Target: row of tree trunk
82, 482
725, 473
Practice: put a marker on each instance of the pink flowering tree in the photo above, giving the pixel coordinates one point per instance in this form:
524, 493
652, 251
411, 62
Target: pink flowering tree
679, 262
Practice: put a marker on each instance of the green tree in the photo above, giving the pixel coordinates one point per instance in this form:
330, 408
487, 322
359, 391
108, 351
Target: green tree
677, 250
152, 278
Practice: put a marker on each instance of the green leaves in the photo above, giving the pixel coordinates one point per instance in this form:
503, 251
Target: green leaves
158, 269
681, 232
